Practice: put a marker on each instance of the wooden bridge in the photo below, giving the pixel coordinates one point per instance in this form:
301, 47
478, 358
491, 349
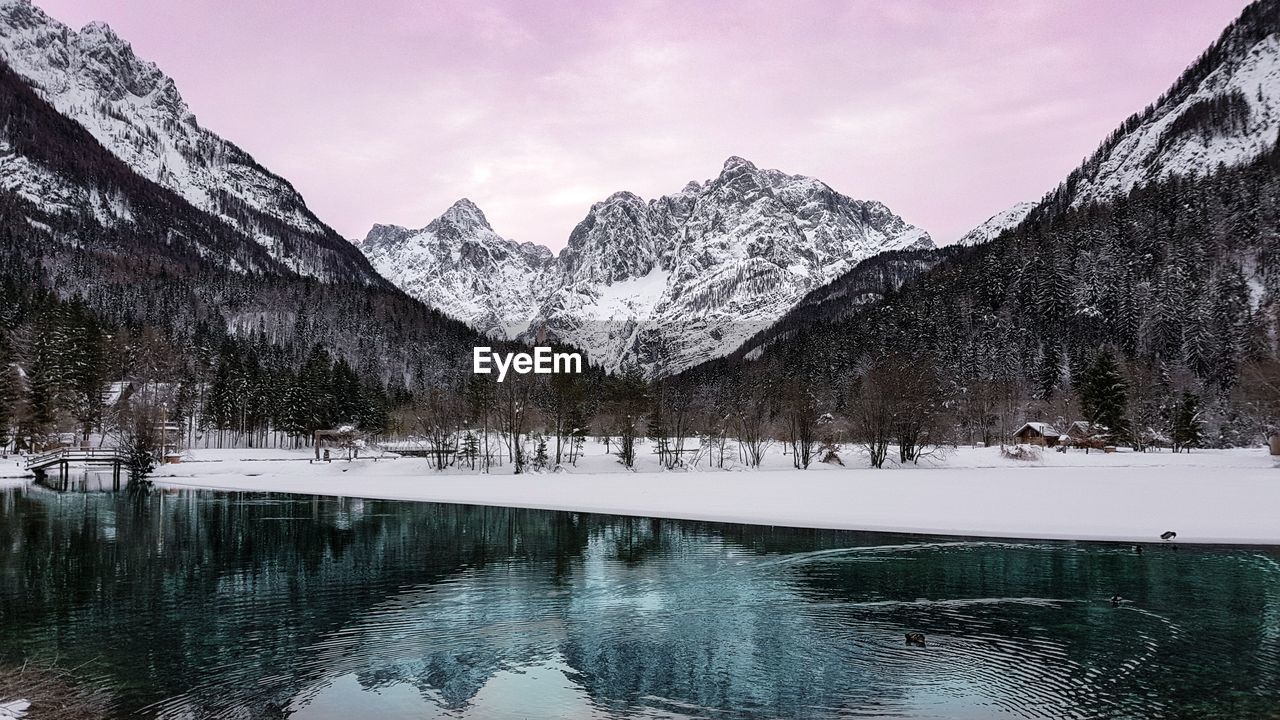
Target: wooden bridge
64, 458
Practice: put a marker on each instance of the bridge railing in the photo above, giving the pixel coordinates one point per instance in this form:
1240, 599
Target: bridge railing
72, 455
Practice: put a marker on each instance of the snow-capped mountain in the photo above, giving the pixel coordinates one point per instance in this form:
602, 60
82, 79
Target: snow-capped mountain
458, 264
1223, 110
708, 267
996, 224
135, 111
656, 284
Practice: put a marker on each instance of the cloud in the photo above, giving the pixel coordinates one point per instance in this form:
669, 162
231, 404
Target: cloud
390, 112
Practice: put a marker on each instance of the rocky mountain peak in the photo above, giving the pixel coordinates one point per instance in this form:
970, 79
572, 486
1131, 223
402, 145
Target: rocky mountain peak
460, 265
694, 272
996, 224
735, 164
96, 31
93, 77
612, 243
19, 13
466, 216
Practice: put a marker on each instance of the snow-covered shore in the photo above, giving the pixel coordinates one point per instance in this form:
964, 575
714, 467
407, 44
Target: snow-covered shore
1229, 496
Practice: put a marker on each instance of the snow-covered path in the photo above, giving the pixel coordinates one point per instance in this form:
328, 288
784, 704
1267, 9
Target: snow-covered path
1225, 497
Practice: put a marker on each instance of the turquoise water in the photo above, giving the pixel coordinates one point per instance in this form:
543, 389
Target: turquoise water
241, 605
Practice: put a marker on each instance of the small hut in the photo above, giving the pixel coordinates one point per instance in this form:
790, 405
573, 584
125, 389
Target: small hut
1037, 433
1087, 435
345, 438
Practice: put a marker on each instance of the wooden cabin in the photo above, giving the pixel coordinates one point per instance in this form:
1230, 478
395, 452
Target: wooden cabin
345, 439
1084, 434
1037, 433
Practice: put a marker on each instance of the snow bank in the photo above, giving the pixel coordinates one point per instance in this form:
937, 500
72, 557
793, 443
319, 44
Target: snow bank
13, 709
1206, 497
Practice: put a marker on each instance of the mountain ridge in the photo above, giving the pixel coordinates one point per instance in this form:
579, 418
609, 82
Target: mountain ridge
685, 275
1183, 124
1224, 109
93, 77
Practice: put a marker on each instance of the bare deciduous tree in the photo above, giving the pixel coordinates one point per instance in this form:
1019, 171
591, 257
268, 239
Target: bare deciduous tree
800, 412
514, 411
871, 414
437, 417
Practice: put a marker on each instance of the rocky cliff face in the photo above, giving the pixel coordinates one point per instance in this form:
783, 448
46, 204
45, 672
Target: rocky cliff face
457, 263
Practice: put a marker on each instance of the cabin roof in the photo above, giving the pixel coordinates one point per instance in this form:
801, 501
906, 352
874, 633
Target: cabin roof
1038, 428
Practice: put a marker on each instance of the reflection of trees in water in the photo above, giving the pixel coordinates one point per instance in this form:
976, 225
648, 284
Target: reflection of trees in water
245, 604
237, 586
702, 628
816, 619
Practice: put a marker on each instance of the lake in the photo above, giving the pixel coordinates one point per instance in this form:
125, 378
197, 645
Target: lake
239, 605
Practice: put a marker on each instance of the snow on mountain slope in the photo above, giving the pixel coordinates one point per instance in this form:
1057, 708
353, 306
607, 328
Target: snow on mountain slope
135, 111
658, 285
458, 264
732, 256
37, 184
996, 224
1224, 110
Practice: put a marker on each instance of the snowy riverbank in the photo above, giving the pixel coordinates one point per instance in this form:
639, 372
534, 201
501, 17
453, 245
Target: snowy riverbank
1228, 496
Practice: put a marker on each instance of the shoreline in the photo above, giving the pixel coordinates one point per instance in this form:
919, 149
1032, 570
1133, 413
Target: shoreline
1209, 502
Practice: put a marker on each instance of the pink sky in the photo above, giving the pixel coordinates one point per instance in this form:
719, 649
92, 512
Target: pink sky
388, 111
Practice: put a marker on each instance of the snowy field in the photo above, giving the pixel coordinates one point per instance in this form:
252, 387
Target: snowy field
1207, 496
11, 473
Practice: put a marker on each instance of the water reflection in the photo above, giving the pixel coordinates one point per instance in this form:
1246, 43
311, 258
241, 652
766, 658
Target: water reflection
200, 604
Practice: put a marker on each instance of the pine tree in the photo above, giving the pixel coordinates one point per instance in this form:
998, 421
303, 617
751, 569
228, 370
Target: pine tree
1050, 372
1187, 427
470, 449
1104, 395
85, 357
372, 415
540, 458
42, 390
315, 385
344, 393
480, 399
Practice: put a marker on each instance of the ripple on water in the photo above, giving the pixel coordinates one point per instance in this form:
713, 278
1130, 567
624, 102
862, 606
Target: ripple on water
245, 606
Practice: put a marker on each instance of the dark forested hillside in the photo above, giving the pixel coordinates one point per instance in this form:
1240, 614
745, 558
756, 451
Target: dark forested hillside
869, 281
1177, 283
106, 276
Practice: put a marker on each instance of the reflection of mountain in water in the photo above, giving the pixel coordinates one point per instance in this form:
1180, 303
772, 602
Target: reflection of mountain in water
225, 594
237, 605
